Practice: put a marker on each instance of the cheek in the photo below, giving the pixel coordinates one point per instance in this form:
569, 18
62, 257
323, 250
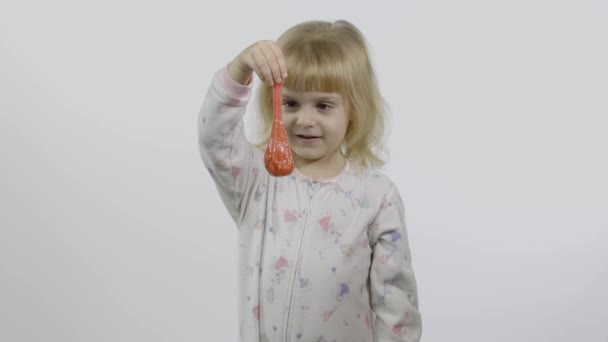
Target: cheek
288, 119
339, 127
287, 123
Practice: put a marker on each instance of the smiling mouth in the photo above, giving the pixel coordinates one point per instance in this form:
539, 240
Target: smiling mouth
307, 137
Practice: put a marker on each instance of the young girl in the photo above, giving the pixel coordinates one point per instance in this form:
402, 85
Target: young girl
323, 252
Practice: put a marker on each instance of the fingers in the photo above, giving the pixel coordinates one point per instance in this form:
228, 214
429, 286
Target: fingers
273, 64
280, 58
262, 67
268, 62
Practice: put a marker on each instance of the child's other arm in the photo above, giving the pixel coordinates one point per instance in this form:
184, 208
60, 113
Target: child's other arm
394, 296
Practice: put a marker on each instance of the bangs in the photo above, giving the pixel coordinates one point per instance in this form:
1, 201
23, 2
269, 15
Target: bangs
315, 66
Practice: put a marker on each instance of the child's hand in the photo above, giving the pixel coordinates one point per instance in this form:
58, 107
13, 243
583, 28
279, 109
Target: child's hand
265, 58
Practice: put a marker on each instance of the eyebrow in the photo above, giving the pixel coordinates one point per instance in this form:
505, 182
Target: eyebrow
324, 97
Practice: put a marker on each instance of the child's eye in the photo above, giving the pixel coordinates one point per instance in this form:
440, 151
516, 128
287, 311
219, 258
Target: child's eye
289, 104
324, 106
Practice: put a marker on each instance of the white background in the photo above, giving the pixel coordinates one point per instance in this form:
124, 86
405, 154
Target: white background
111, 228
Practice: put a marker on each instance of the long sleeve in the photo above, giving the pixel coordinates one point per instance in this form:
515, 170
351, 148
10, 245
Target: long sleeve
394, 296
223, 146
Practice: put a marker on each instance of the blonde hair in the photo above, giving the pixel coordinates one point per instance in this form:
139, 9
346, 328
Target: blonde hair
333, 57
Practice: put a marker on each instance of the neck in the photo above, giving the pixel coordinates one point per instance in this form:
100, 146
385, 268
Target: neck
321, 168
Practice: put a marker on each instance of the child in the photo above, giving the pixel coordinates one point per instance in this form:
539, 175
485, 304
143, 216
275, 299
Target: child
323, 252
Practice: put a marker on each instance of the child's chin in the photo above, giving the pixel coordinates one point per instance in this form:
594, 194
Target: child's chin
307, 155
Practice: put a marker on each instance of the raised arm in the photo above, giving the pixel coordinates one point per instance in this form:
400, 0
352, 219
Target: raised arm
223, 147
231, 160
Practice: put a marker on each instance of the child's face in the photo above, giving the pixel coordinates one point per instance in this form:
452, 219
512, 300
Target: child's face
321, 115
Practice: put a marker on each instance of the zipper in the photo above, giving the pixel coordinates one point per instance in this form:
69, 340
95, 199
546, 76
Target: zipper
312, 189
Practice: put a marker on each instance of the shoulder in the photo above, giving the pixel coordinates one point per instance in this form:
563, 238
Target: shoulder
375, 180
375, 189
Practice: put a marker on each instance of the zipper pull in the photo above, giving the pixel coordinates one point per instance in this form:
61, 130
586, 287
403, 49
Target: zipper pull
312, 186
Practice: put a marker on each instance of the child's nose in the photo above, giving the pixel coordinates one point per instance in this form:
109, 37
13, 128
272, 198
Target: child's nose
305, 118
